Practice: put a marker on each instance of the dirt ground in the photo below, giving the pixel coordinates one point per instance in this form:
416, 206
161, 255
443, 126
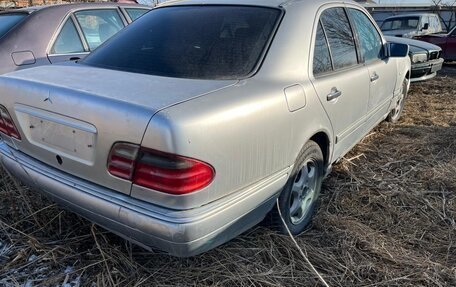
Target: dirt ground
387, 218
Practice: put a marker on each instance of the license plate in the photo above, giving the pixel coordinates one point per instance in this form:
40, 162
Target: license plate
60, 138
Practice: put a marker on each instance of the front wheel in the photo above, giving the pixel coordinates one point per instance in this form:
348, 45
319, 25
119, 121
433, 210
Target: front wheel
299, 197
396, 112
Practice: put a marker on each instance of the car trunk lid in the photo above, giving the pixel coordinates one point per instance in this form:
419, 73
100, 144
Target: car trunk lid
70, 118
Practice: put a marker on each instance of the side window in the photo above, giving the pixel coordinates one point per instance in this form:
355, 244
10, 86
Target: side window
424, 20
68, 40
135, 13
437, 26
340, 37
322, 58
369, 39
99, 25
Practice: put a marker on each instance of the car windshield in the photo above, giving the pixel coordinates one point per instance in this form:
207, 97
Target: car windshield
197, 42
8, 21
403, 23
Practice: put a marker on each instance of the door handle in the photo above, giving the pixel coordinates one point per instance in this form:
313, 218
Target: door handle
335, 93
375, 77
75, 59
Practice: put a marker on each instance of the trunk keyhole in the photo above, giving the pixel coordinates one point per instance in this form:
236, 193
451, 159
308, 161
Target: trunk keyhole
59, 159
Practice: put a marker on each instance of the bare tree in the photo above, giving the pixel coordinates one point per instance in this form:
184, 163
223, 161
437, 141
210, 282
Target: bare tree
441, 6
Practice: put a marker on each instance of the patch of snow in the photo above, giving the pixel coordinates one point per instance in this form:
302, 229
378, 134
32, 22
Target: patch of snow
32, 257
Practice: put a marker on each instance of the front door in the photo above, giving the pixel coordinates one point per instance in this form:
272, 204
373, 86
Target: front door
382, 76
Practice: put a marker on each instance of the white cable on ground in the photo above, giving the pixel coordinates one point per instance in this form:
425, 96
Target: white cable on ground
299, 248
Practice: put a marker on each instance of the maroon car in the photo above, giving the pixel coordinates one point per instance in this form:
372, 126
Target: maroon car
446, 41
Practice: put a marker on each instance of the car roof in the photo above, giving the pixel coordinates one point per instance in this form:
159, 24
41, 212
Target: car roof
411, 15
271, 3
267, 3
71, 6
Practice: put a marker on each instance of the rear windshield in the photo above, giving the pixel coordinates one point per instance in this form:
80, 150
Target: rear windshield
403, 23
8, 21
198, 42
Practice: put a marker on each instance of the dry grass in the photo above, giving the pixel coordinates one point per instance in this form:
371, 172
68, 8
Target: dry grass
387, 218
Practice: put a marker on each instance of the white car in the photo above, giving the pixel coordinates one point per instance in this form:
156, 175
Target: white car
411, 25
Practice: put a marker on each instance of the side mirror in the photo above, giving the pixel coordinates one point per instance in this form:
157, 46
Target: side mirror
425, 27
396, 50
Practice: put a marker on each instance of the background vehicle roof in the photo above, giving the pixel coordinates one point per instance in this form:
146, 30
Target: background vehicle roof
268, 3
272, 3
411, 15
71, 6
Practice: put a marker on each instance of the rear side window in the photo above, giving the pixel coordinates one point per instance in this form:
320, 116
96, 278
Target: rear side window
199, 42
403, 23
424, 21
99, 25
8, 21
340, 37
68, 40
369, 39
322, 58
135, 13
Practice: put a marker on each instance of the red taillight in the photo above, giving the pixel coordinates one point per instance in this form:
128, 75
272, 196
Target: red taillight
122, 160
7, 125
159, 171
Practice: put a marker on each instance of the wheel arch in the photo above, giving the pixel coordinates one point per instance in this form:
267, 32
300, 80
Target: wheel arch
323, 141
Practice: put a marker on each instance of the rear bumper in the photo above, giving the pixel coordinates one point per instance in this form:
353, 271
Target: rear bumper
181, 233
427, 70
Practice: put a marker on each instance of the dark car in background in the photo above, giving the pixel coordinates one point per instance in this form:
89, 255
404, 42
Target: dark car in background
446, 41
45, 35
425, 57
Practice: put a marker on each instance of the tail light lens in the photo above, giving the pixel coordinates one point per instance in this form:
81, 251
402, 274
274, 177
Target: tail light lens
7, 125
159, 171
122, 160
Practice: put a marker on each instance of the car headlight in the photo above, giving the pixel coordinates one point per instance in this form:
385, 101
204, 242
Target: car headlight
419, 58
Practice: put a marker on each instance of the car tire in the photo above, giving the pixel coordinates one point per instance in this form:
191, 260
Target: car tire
396, 112
298, 200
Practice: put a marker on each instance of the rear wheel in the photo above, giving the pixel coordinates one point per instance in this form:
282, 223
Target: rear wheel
396, 112
299, 197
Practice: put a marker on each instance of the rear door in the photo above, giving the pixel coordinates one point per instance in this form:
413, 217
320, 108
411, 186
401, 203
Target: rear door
382, 73
68, 45
83, 31
340, 80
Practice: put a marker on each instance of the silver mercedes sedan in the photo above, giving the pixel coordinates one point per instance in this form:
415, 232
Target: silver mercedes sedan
192, 124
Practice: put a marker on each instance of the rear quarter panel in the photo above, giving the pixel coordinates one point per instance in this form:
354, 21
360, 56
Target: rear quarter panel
246, 132
32, 34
